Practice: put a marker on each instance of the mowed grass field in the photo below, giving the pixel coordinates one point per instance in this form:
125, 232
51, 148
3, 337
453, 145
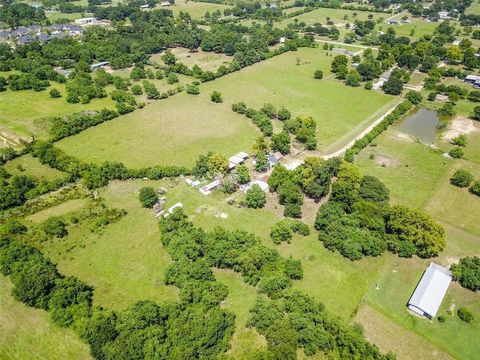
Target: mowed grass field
27, 333
174, 131
208, 61
196, 9
340, 111
25, 113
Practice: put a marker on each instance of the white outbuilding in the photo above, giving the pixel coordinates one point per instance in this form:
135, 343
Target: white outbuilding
430, 291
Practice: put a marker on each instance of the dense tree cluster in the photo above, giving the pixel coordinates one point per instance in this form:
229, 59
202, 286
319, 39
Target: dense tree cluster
358, 221
467, 272
304, 129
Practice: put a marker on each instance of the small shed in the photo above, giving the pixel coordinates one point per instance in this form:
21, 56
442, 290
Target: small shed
177, 205
237, 159
263, 185
430, 291
207, 189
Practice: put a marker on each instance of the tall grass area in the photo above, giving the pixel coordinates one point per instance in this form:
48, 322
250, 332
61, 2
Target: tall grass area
27, 333
30, 166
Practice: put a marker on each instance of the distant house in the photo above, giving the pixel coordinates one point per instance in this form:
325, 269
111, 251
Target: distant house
237, 159
86, 21
165, 4
43, 38
273, 6
274, 159
21, 31
98, 65
378, 84
443, 15
456, 42
207, 189
4, 35
25, 39
430, 291
342, 51
263, 185
145, 6
393, 22
177, 205
35, 29
63, 72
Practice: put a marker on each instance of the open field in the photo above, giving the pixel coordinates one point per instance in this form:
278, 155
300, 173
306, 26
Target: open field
196, 9
339, 17
27, 333
246, 342
28, 165
174, 131
340, 111
412, 171
59, 210
25, 112
206, 60
474, 8
125, 264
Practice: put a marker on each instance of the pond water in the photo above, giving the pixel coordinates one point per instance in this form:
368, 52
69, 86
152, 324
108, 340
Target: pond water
422, 124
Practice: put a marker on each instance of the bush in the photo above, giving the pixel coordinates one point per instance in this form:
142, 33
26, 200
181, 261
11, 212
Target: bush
368, 85
284, 114
456, 153
460, 140
281, 232
465, 315
255, 197
193, 89
54, 93
292, 210
148, 197
55, 226
318, 74
414, 97
137, 90
475, 188
467, 272
461, 178
216, 97
442, 319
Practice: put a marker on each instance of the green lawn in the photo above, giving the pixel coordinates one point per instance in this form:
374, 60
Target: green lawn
474, 8
59, 210
25, 112
28, 165
339, 110
27, 333
174, 131
208, 61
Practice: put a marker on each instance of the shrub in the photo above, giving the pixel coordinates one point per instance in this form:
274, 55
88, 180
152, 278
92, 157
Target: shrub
442, 319
55, 226
475, 188
255, 197
467, 272
368, 85
284, 114
460, 140
54, 93
193, 89
461, 178
137, 90
318, 74
147, 196
414, 97
281, 232
465, 315
216, 97
456, 153
293, 210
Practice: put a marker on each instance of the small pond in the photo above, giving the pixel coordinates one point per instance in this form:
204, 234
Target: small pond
422, 124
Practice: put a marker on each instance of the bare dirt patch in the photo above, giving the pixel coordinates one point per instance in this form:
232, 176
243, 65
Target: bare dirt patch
401, 136
386, 161
458, 126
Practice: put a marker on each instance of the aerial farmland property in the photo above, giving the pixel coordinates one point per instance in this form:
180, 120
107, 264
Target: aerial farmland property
228, 179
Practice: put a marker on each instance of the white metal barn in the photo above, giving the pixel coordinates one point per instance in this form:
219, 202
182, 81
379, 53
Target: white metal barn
430, 291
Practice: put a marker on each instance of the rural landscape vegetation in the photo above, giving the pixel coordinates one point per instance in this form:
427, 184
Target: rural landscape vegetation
239, 179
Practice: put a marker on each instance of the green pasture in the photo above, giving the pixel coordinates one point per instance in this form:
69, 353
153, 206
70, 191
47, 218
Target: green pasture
340, 111
196, 9
24, 113
174, 131
28, 333
28, 165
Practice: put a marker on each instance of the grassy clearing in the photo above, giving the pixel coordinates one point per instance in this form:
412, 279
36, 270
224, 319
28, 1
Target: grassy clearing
415, 29
474, 8
413, 171
126, 263
28, 165
457, 206
25, 112
173, 131
386, 334
339, 110
27, 333
246, 342
55, 15
206, 60
59, 210
335, 15
196, 9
